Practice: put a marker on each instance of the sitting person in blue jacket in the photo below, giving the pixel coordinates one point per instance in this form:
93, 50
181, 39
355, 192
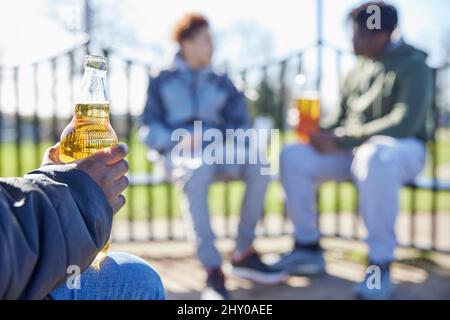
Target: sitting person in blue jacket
188, 93
55, 220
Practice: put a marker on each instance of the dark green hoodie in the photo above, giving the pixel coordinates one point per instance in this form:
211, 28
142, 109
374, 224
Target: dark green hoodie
389, 96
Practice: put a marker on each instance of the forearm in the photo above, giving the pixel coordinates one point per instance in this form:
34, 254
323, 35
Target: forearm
63, 219
156, 136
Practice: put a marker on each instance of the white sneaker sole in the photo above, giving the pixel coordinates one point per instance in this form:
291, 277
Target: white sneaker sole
209, 294
258, 277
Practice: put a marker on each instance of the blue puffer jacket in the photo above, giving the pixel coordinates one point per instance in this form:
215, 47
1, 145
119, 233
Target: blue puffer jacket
52, 218
179, 96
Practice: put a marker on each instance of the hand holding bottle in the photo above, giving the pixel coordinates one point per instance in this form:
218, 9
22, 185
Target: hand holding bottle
90, 136
106, 167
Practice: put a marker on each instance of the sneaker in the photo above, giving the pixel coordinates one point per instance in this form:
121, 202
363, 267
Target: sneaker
367, 289
250, 267
215, 286
303, 260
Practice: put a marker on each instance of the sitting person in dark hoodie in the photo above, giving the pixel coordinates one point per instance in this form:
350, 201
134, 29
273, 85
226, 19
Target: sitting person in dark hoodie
378, 140
54, 221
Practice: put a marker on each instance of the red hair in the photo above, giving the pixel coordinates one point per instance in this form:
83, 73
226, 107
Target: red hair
188, 26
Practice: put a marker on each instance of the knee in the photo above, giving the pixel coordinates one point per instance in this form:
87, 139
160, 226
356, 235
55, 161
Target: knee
372, 161
198, 179
139, 274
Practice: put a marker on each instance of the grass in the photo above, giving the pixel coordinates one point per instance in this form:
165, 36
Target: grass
146, 202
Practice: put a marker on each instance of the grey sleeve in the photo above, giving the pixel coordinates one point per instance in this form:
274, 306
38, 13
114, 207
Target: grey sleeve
52, 218
153, 130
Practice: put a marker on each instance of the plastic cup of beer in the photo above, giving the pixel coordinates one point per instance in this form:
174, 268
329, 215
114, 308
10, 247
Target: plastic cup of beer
307, 105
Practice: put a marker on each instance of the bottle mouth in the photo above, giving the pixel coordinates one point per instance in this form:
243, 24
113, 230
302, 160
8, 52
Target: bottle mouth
96, 62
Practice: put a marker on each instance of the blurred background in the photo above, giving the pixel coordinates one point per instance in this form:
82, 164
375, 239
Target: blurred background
246, 33
262, 45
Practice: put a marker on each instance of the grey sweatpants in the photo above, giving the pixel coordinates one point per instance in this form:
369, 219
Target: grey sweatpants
195, 185
379, 168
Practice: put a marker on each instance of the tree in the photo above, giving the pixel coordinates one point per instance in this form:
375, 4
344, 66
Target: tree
266, 101
244, 43
101, 20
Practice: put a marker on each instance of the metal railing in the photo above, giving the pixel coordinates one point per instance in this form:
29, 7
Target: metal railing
36, 104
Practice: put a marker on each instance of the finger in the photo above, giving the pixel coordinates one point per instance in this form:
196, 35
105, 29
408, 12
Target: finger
118, 203
118, 169
54, 154
51, 155
313, 141
118, 187
112, 154
315, 145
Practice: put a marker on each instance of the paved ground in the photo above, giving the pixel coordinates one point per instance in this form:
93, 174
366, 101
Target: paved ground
417, 278
275, 225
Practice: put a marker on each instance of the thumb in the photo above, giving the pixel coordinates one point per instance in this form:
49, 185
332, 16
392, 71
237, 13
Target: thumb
112, 154
54, 153
51, 155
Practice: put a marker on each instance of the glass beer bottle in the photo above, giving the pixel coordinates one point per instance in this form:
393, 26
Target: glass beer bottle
89, 130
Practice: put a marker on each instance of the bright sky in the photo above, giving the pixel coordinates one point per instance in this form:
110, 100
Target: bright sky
28, 33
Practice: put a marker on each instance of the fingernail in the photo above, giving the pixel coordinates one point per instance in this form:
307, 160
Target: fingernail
124, 146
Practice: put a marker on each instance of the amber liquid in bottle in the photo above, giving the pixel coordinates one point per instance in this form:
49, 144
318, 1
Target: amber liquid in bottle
88, 132
90, 129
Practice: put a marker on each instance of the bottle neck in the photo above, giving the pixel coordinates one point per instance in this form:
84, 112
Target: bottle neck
94, 71
94, 86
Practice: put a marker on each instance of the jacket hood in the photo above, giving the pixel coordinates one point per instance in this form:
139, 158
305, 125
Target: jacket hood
403, 51
179, 64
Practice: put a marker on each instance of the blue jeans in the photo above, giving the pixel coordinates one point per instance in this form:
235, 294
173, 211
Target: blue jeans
122, 276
